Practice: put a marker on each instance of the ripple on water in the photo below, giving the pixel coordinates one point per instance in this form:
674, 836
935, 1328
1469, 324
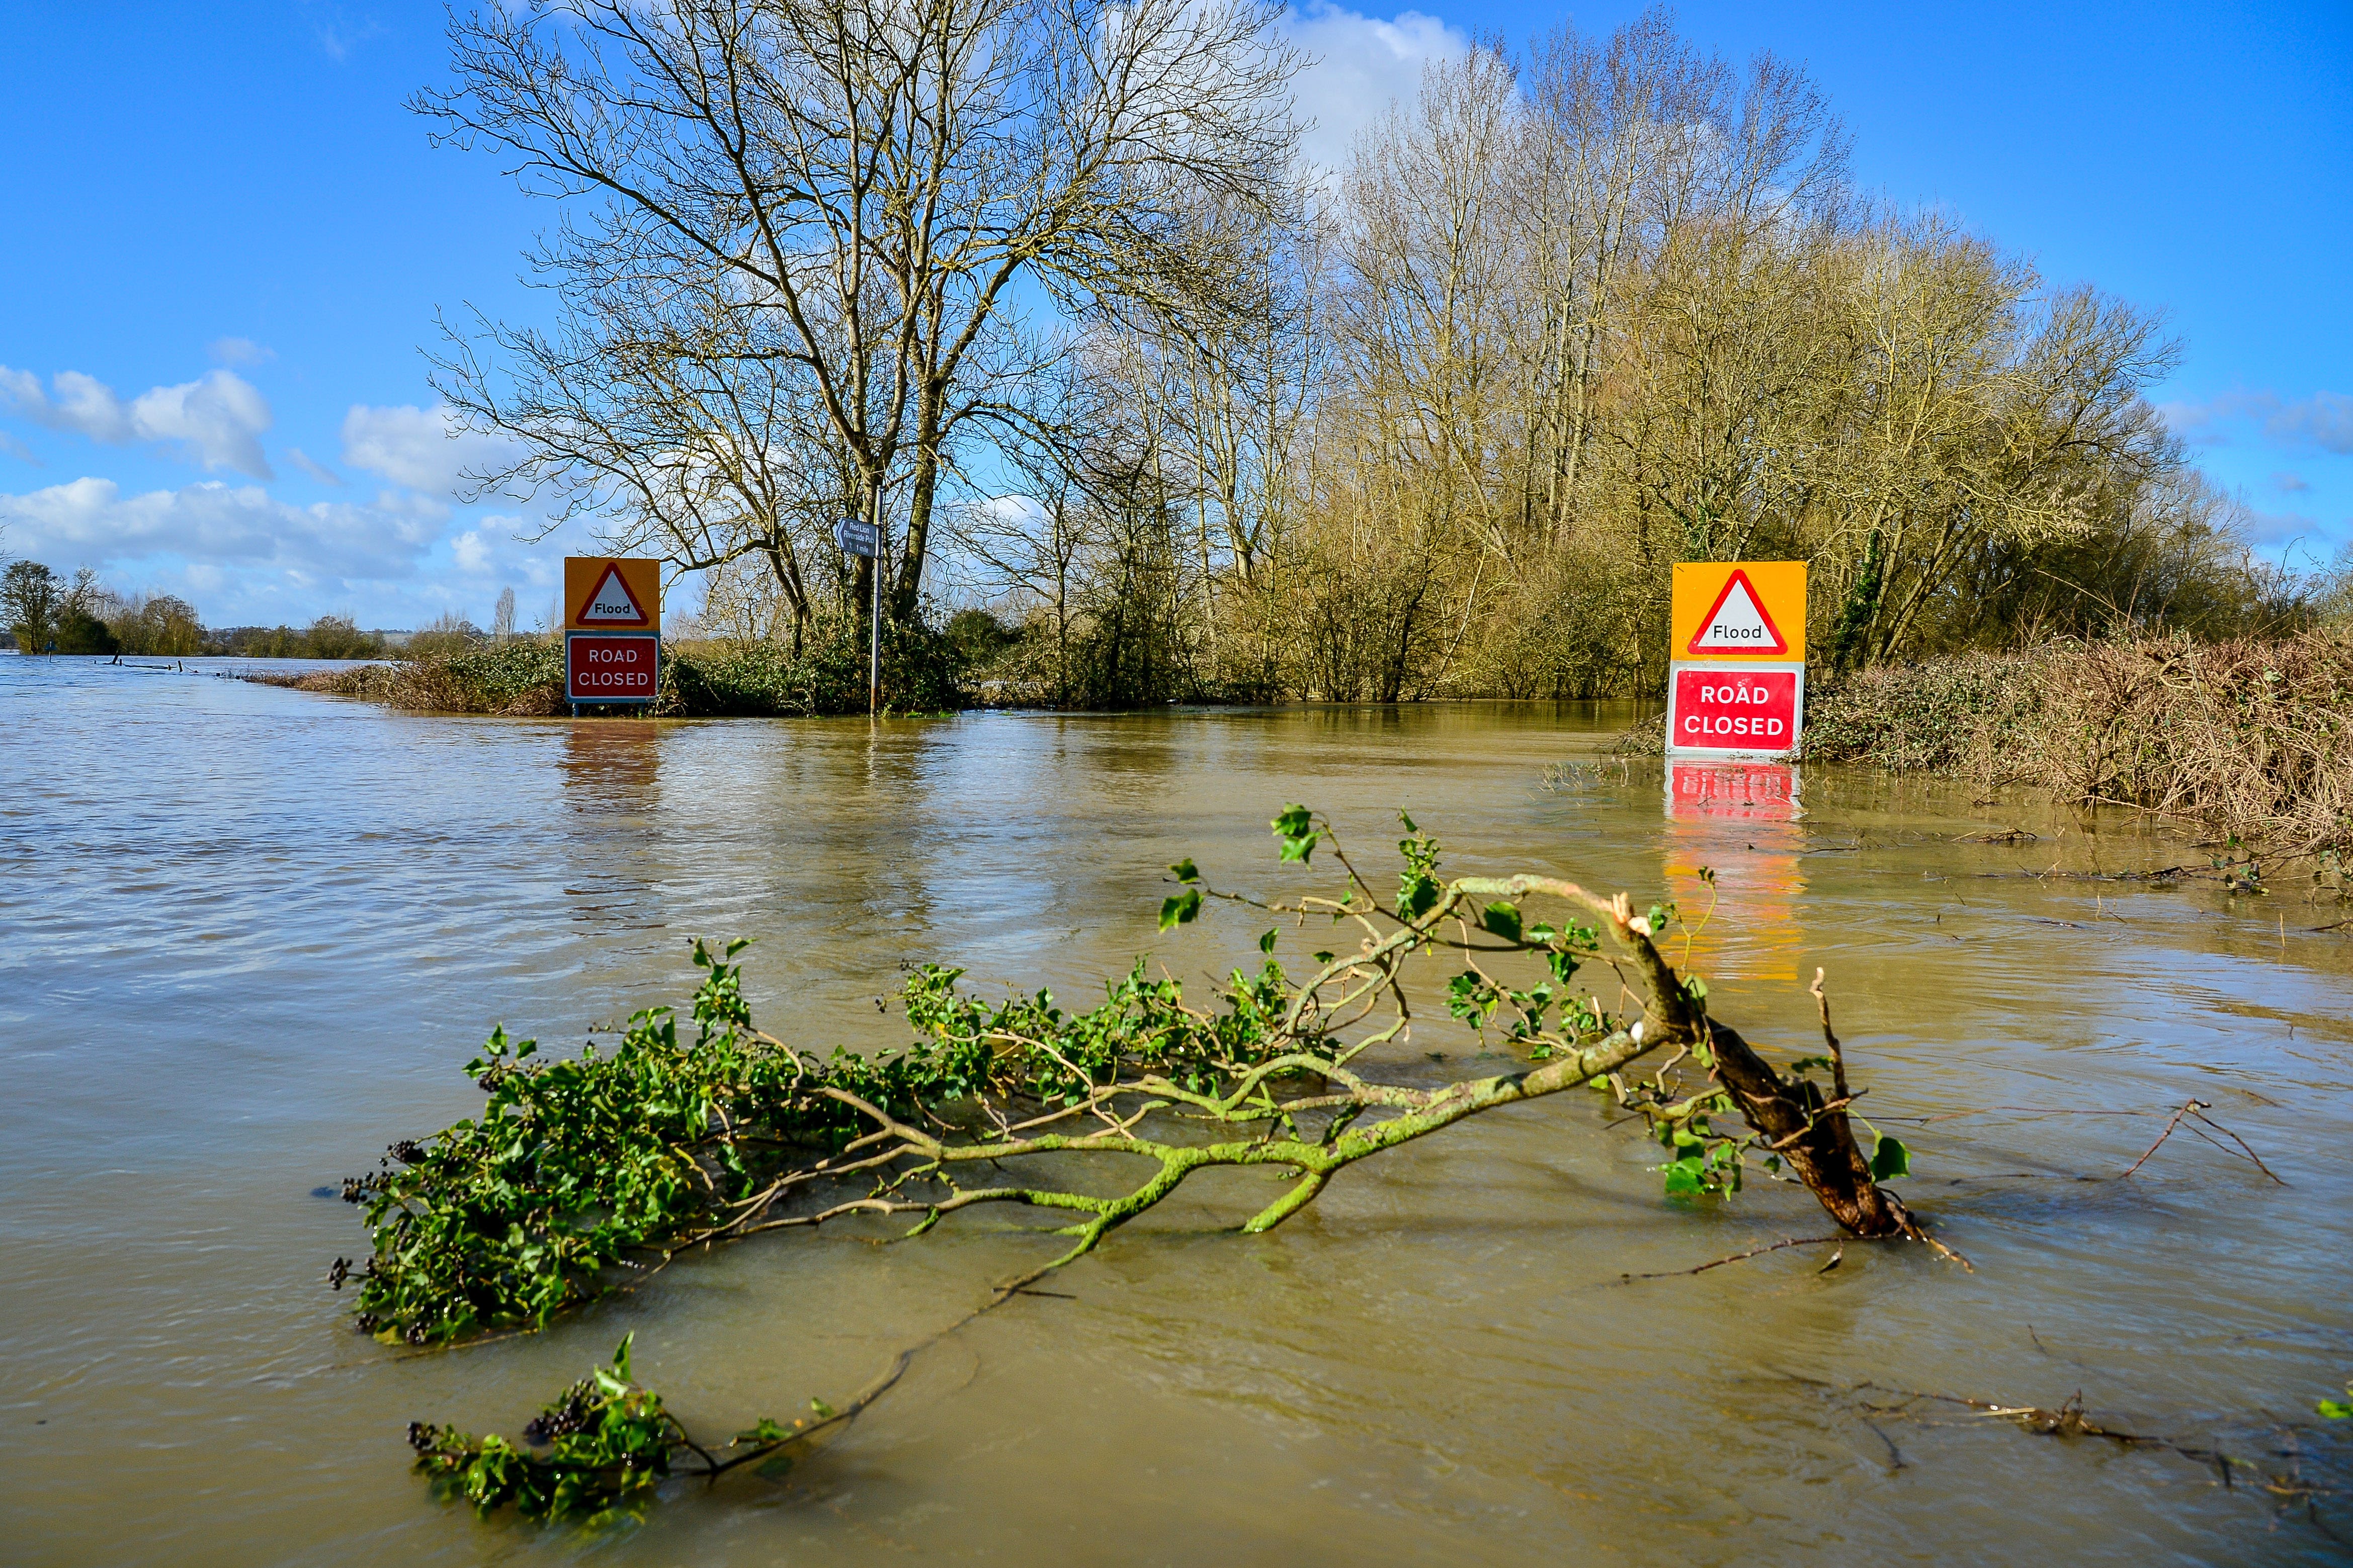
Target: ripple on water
252, 934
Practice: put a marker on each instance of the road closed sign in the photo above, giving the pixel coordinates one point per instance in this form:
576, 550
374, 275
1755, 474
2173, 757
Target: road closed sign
612, 628
611, 666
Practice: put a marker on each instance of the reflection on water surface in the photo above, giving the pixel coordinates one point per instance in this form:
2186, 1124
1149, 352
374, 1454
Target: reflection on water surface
252, 935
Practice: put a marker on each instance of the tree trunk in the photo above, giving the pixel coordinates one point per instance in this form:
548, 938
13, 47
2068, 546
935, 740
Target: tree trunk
1817, 1143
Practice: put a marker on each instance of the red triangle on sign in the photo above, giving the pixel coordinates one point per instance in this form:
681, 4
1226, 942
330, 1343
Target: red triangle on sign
612, 604
1738, 622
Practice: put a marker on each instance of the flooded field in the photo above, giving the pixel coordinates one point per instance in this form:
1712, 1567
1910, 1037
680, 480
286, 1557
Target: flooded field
251, 936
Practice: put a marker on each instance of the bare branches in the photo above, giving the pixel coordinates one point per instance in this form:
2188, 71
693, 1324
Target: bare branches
793, 229
2195, 1109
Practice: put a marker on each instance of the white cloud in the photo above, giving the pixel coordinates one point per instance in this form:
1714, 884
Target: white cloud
219, 415
2323, 420
83, 403
423, 448
312, 467
1362, 66
2291, 484
239, 350
470, 551
216, 418
91, 521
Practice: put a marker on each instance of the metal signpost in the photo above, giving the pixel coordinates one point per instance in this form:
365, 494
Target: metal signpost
612, 629
1737, 675
861, 538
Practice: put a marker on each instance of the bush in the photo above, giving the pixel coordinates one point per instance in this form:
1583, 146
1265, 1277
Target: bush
2248, 738
523, 676
79, 631
337, 637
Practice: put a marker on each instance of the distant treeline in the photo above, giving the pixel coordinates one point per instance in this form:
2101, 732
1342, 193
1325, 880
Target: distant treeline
48, 614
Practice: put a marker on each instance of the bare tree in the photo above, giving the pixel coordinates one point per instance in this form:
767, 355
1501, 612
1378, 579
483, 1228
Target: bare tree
816, 215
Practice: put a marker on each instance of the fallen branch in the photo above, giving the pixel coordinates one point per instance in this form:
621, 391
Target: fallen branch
609, 1166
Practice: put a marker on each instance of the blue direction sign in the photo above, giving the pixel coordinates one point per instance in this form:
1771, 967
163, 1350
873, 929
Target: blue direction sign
857, 537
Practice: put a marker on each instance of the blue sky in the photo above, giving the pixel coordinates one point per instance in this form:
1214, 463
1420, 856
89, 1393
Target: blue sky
222, 240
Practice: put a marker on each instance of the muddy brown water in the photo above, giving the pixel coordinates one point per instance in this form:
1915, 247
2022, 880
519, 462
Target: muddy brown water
251, 936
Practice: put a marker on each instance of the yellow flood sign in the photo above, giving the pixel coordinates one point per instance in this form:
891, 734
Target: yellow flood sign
611, 594
1740, 610
1737, 669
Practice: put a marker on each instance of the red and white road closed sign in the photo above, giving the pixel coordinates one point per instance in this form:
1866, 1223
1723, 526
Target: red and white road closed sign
611, 666
1746, 708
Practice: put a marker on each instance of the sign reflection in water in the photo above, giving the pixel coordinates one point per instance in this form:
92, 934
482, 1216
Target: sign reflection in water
1740, 821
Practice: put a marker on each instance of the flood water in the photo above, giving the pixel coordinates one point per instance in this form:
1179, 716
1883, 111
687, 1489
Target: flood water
252, 935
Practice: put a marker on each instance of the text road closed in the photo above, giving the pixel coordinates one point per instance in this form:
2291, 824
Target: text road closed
609, 669
1747, 710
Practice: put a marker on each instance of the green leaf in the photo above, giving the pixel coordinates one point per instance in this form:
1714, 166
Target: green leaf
1266, 943
1296, 828
822, 1410
1503, 920
1408, 822
1417, 893
2337, 1409
1889, 1159
621, 1357
1178, 909
1185, 870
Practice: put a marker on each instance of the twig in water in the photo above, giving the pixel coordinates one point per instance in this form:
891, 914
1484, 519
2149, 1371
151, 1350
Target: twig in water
2241, 1142
2172, 1122
2197, 1109
1736, 1257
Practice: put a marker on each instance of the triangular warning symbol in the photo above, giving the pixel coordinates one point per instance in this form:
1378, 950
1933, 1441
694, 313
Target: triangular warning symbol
612, 604
1737, 623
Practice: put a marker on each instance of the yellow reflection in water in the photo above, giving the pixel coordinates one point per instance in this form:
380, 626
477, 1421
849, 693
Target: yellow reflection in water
1739, 820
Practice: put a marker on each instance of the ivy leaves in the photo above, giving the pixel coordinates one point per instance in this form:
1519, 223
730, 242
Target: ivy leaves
1295, 826
1179, 909
1702, 1163
574, 1168
608, 1443
1419, 887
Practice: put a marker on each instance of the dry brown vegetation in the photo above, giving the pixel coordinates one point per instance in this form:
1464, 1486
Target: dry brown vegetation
2251, 740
